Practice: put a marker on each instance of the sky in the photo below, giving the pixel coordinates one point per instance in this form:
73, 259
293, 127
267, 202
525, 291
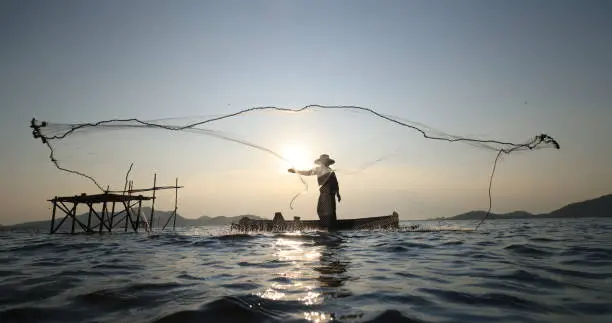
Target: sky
505, 70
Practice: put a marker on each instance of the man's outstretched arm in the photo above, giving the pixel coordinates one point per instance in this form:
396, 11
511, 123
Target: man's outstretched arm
302, 172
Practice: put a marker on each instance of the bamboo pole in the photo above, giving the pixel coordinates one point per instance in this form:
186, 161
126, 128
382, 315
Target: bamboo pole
153, 202
89, 217
53, 215
138, 215
110, 220
73, 214
175, 203
127, 214
102, 216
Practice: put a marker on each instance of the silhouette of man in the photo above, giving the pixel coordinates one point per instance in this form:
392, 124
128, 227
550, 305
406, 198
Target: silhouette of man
328, 190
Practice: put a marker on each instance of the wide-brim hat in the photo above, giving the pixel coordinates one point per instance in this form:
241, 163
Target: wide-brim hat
324, 159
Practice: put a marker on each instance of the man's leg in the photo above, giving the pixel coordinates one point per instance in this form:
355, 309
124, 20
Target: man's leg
326, 210
321, 211
332, 213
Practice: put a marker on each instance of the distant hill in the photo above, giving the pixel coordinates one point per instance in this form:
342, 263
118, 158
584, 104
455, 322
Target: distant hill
597, 207
593, 208
160, 219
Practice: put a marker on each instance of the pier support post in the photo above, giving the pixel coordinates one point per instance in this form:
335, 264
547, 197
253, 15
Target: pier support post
53, 216
153, 202
138, 215
89, 217
111, 217
102, 217
175, 202
73, 214
127, 216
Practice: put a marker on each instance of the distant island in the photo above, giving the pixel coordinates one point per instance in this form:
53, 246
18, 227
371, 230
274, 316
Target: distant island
593, 208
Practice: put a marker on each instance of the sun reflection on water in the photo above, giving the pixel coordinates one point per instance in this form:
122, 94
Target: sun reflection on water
317, 317
292, 249
272, 294
311, 298
313, 271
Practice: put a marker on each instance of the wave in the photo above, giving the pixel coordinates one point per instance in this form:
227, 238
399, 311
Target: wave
489, 299
527, 249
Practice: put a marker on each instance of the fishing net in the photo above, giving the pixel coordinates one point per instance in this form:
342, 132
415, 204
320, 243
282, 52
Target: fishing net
83, 149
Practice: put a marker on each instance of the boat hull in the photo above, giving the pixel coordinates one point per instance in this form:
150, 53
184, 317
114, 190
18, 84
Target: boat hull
280, 224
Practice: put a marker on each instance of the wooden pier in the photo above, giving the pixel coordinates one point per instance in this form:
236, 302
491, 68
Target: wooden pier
111, 210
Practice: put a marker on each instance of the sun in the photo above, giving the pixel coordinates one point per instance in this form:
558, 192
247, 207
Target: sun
297, 156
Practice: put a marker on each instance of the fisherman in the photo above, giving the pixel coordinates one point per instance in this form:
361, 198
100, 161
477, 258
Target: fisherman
328, 190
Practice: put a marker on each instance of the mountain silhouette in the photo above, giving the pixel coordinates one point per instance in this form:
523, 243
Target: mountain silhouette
594, 208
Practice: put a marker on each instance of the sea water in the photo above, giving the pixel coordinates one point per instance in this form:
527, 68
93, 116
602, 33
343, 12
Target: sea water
545, 270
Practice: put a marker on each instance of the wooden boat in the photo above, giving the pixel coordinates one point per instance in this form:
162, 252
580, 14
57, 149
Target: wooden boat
280, 224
